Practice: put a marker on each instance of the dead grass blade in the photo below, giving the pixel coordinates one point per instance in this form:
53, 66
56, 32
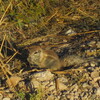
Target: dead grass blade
2, 45
43, 38
12, 57
1, 20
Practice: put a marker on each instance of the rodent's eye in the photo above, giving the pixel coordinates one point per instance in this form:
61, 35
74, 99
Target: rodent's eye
36, 52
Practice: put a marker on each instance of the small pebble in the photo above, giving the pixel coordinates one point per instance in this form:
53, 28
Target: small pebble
98, 92
95, 74
70, 31
43, 76
1, 96
93, 64
92, 43
6, 99
85, 85
98, 44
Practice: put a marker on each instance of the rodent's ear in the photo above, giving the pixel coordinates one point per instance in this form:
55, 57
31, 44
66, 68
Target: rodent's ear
51, 53
33, 48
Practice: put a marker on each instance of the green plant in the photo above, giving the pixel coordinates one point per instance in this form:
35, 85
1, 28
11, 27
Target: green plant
21, 95
36, 96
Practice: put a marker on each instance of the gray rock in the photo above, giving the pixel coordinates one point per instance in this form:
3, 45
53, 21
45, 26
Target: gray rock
70, 32
43, 76
85, 85
6, 99
62, 83
35, 83
98, 44
95, 74
74, 88
98, 92
92, 43
1, 96
93, 64
62, 86
45, 81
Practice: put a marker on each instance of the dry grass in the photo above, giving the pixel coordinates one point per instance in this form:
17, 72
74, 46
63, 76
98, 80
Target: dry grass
25, 20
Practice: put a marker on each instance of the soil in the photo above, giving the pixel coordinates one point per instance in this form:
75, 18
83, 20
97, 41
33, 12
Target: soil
68, 28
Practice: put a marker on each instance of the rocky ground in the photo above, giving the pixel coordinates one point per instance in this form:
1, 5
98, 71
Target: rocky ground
70, 28
79, 79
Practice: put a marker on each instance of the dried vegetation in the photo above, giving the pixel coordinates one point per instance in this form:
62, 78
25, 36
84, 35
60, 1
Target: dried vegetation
25, 23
